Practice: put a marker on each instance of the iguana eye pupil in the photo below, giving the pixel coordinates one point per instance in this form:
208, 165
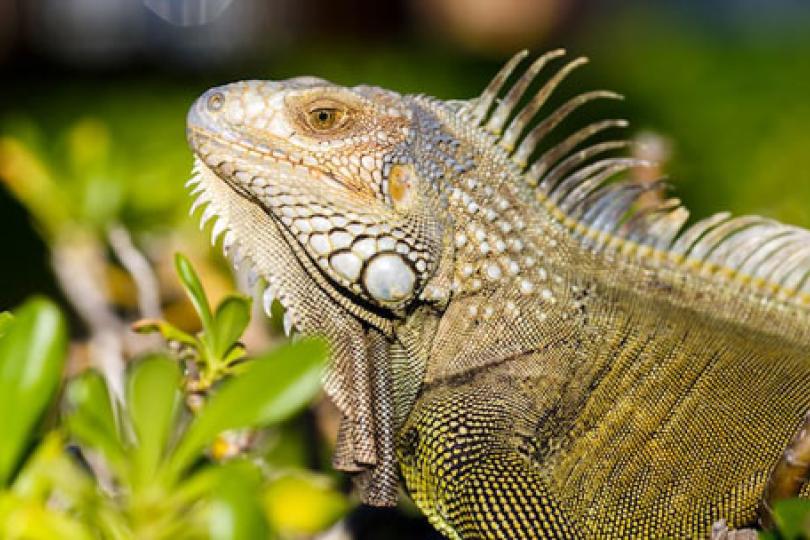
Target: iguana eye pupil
324, 118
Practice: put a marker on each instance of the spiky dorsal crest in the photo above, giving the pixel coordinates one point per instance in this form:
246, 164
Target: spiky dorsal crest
586, 192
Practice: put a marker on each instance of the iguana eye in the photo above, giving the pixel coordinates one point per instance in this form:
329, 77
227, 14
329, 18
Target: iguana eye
324, 118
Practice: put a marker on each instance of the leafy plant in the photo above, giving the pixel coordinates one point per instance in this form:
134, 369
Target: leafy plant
154, 452
216, 349
31, 358
39, 490
154, 467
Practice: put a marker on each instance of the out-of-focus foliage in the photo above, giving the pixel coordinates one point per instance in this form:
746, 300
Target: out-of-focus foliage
731, 102
32, 353
152, 499
150, 445
157, 469
123, 162
40, 489
289, 502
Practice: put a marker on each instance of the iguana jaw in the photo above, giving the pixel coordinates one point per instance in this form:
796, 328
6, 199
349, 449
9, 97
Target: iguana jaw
252, 237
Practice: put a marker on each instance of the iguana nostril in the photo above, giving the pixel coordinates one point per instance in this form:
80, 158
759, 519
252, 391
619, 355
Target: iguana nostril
215, 101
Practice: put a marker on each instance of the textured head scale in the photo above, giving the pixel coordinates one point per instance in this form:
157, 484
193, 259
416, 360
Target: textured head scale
333, 167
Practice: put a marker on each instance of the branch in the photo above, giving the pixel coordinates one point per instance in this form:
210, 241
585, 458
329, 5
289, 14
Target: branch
137, 265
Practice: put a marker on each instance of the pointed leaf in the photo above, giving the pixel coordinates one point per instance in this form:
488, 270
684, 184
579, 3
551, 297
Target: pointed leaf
230, 321
153, 400
32, 354
5, 321
270, 389
236, 352
194, 290
168, 331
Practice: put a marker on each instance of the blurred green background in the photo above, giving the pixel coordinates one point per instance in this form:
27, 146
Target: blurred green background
95, 92
724, 84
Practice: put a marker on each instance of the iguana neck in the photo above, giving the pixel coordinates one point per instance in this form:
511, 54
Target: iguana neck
509, 262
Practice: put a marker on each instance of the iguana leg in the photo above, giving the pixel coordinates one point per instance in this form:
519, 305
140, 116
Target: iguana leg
469, 455
466, 457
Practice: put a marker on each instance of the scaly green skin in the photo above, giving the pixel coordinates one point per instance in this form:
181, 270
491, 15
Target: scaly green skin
538, 357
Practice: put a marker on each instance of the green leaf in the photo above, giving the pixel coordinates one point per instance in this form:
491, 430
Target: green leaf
194, 290
230, 321
236, 352
153, 399
235, 512
271, 389
5, 321
90, 417
168, 331
792, 518
32, 354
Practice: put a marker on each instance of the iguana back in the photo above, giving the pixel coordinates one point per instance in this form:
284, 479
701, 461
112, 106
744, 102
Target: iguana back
539, 353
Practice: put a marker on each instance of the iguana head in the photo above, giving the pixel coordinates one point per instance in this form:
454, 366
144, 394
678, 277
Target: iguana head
334, 170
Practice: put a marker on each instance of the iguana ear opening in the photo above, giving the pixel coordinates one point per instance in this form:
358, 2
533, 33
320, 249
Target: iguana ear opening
402, 186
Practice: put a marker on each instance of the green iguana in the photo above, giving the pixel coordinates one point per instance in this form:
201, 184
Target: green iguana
534, 352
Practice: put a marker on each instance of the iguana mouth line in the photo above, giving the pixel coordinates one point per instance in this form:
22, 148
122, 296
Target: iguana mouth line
264, 152
287, 189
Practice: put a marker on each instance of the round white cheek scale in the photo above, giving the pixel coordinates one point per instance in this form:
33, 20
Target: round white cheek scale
388, 278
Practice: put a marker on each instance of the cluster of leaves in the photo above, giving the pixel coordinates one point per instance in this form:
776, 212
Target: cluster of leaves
142, 466
216, 350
